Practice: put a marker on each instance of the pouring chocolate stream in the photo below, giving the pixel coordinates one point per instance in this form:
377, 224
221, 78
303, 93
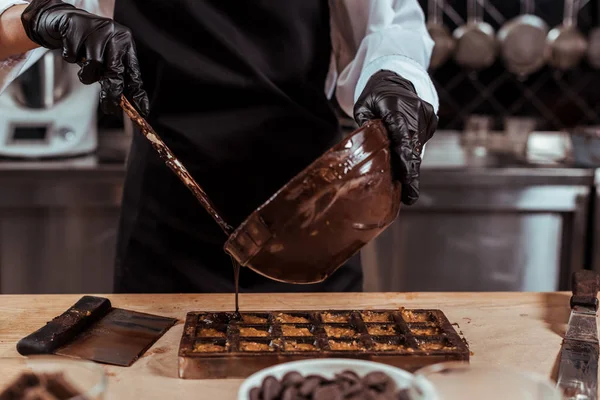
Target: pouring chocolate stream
177, 167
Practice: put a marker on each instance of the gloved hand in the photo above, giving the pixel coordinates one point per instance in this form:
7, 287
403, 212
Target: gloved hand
410, 123
104, 49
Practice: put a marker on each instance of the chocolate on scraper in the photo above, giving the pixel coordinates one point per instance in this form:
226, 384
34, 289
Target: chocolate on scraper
346, 385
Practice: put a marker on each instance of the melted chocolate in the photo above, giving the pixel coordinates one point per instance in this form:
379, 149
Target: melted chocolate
236, 279
325, 214
319, 219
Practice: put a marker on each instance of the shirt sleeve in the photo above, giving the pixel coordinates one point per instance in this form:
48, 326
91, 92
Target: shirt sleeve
12, 67
388, 35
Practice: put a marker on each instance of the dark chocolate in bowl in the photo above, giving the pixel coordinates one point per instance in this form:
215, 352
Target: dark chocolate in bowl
324, 215
319, 219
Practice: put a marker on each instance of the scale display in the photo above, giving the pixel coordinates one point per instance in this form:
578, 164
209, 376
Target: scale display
24, 134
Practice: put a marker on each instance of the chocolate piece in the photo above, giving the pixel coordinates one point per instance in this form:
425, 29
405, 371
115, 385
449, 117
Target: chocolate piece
255, 346
381, 330
253, 319
60, 387
295, 331
345, 346
358, 396
433, 346
426, 331
389, 347
354, 389
329, 392
210, 332
348, 375
50, 386
290, 393
378, 381
403, 394
209, 348
339, 331
271, 388
412, 316
291, 319
292, 379
372, 316
253, 332
296, 346
373, 394
335, 318
310, 384
255, 394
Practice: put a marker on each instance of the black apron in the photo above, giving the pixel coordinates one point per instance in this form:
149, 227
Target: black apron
237, 92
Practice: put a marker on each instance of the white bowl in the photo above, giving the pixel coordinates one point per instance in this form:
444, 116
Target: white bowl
328, 367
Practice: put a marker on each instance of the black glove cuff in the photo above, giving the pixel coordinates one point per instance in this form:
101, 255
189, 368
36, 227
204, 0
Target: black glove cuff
35, 24
382, 80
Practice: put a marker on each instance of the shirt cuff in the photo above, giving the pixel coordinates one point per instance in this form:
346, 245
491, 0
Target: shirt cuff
5, 5
406, 68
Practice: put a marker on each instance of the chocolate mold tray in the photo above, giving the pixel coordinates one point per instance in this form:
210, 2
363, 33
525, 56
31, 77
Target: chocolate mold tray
229, 345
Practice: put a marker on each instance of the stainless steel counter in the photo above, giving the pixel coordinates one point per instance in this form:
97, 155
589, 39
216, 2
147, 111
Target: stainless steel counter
483, 223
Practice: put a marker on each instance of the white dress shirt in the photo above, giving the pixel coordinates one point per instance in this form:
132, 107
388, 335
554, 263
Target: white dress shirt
367, 36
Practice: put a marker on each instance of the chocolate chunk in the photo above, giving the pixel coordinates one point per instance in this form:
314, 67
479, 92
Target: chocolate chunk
343, 385
271, 388
255, 394
403, 394
376, 379
290, 393
358, 396
357, 387
310, 384
292, 379
52, 386
379, 382
350, 376
328, 392
383, 396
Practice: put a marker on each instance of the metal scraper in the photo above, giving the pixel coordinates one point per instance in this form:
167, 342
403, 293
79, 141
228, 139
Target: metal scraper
578, 368
94, 330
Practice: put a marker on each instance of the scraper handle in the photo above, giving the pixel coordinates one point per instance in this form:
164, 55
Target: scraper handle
585, 289
174, 164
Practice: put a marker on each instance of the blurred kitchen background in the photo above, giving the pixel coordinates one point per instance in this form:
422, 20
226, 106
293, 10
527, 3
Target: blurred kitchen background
509, 182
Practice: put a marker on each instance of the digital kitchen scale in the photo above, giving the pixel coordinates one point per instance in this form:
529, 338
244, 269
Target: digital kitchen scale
65, 128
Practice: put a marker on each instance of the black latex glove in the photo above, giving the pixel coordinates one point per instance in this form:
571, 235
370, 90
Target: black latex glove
104, 49
410, 123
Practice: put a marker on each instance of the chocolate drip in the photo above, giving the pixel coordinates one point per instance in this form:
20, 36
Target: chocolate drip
236, 277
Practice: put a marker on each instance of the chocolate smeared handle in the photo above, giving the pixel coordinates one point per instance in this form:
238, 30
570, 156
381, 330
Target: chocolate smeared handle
174, 164
585, 289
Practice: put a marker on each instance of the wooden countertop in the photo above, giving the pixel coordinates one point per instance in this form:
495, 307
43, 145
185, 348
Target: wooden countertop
522, 330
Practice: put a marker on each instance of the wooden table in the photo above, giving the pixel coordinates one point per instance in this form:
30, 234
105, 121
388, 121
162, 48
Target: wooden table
521, 330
